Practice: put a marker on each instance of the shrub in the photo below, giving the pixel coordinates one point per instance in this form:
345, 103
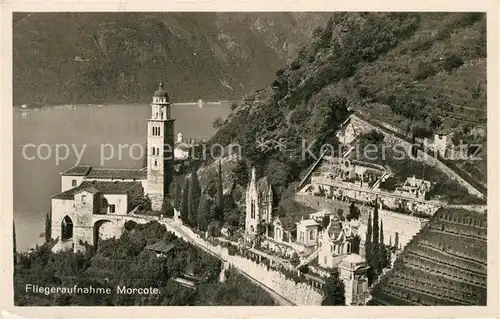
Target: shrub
452, 62
425, 70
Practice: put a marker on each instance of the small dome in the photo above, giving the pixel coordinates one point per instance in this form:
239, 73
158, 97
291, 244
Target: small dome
161, 93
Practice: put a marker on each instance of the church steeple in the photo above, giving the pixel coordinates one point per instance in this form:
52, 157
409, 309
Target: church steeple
160, 155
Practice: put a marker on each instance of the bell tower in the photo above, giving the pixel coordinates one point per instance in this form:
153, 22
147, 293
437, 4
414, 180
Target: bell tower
160, 149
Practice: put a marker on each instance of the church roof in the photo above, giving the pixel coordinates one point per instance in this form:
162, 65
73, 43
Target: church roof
105, 173
101, 187
161, 93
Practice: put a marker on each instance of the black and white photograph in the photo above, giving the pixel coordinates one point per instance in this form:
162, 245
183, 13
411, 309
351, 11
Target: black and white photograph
332, 158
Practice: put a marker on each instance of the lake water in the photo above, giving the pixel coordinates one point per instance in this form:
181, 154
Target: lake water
35, 180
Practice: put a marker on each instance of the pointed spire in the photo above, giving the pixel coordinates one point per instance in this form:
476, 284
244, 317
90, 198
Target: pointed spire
253, 173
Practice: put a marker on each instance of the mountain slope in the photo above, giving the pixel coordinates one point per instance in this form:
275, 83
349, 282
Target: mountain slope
120, 57
410, 69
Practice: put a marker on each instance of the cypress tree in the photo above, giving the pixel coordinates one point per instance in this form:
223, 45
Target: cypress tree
14, 239
381, 233
219, 201
185, 201
178, 196
203, 216
48, 227
375, 240
368, 241
396, 241
382, 251
194, 194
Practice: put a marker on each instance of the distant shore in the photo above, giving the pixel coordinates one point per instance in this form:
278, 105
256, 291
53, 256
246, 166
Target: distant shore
221, 103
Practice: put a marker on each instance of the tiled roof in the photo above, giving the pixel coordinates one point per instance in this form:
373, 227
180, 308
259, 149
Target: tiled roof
117, 173
160, 247
80, 170
102, 187
105, 173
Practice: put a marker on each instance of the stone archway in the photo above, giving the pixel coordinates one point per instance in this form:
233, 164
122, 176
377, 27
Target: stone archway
66, 229
97, 230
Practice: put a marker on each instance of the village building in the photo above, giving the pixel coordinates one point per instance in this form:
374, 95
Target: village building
353, 272
335, 241
182, 149
89, 194
414, 187
307, 232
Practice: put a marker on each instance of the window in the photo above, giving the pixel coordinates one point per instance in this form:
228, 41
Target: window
73, 183
84, 199
157, 151
311, 235
153, 151
112, 208
156, 163
252, 210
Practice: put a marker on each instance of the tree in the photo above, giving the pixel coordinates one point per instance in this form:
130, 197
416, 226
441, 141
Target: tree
48, 228
382, 251
295, 260
14, 239
452, 62
368, 241
203, 216
194, 193
167, 209
356, 241
375, 241
354, 212
177, 194
333, 291
279, 174
142, 202
240, 173
219, 197
218, 122
185, 201
325, 222
396, 241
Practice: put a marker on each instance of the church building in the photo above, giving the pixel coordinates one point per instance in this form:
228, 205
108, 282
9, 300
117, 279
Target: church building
95, 198
259, 203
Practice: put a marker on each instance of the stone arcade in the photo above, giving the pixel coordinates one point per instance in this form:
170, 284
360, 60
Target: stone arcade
93, 200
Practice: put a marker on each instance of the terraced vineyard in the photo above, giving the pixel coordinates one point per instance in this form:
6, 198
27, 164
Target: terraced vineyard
445, 264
